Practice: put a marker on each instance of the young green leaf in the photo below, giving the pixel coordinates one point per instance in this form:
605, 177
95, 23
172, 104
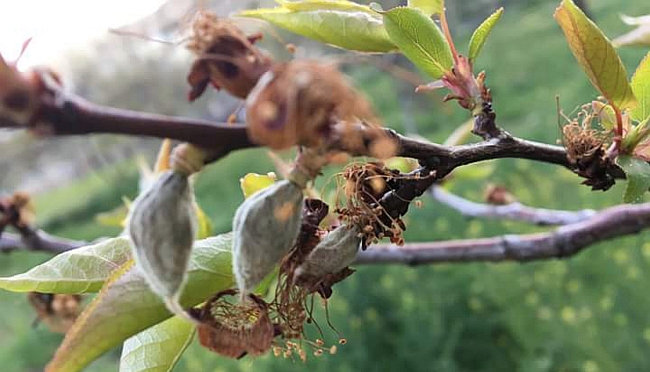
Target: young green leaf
80, 270
203, 223
428, 7
641, 88
605, 114
596, 55
253, 182
126, 305
158, 348
481, 33
637, 172
419, 39
340, 23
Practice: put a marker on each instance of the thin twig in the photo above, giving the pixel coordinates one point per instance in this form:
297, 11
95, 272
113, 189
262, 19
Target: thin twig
512, 211
37, 240
563, 242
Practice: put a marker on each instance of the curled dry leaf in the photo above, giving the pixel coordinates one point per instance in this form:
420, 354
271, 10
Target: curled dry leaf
234, 330
162, 226
299, 102
226, 57
265, 227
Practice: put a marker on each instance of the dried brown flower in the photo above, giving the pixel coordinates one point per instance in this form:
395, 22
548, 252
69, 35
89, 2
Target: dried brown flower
234, 330
226, 57
586, 144
364, 186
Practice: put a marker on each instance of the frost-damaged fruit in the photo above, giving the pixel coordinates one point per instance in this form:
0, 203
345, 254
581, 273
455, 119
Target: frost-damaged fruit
334, 253
264, 229
162, 226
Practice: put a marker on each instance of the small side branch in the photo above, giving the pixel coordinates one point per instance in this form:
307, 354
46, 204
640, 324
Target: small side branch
512, 211
564, 242
36, 240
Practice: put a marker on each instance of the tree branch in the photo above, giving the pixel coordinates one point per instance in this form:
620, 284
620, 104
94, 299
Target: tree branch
36, 240
564, 242
512, 211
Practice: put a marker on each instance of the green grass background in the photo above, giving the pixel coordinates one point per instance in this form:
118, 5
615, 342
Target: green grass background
589, 313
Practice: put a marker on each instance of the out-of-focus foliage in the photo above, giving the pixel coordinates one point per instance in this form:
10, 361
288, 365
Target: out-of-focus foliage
641, 87
640, 36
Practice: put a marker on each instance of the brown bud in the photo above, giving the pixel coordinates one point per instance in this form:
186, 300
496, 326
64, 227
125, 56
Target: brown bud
498, 195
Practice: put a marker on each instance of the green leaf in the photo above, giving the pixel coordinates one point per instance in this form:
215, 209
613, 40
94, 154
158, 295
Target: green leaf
158, 348
204, 229
428, 7
253, 182
113, 218
419, 39
596, 55
481, 33
126, 306
80, 270
605, 114
339, 23
637, 172
641, 88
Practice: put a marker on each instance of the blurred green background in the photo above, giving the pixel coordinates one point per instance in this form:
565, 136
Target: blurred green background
589, 313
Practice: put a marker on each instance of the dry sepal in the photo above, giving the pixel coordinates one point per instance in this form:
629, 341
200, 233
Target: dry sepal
586, 143
226, 57
234, 330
